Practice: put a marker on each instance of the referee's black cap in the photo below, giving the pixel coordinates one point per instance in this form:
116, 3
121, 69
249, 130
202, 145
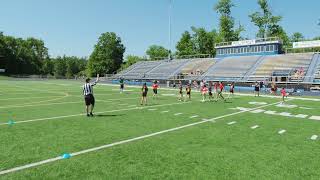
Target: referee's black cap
88, 79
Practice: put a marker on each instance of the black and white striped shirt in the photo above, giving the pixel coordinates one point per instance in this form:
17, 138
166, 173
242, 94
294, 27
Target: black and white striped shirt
88, 88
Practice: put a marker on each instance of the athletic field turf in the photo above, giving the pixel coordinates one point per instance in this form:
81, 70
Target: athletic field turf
42, 120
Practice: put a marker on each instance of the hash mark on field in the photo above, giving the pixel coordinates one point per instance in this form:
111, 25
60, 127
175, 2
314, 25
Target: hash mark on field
258, 103
305, 108
230, 123
257, 111
254, 127
152, 109
287, 114
301, 116
315, 118
123, 104
314, 137
270, 112
195, 116
177, 114
282, 131
164, 111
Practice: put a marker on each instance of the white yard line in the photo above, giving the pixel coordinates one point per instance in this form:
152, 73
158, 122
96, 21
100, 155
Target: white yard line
123, 142
31, 105
48, 104
29, 98
39, 90
74, 115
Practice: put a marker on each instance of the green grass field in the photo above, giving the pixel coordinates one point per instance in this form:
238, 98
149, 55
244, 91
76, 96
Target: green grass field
49, 121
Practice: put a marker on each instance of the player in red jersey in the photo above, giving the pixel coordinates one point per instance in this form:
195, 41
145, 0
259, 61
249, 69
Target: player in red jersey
220, 90
283, 94
204, 92
155, 87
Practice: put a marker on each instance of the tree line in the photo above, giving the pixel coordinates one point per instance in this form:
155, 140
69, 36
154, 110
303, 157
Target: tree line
30, 56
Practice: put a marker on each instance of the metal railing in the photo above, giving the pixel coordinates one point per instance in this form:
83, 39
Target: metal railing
302, 50
255, 41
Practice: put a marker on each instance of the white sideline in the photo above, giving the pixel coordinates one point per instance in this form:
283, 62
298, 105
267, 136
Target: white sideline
124, 141
73, 115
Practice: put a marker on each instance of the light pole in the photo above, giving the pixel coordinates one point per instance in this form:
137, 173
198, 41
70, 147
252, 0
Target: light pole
169, 13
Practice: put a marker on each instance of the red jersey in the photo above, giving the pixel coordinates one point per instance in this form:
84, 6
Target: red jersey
283, 92
155, 86
221, 87
204, 90
216, 85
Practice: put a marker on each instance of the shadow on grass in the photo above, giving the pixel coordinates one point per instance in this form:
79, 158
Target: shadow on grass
108, 115
228, 102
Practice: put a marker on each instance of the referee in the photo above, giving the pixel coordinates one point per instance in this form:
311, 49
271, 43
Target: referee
88, 95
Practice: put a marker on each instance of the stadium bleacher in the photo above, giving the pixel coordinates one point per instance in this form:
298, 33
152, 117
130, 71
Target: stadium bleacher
231, 68
167, 69
245, 61
235, 68
281, 63
315, 76
197, 67
139, 70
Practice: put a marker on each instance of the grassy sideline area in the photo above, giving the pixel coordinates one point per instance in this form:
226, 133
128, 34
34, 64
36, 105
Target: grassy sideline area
49, 121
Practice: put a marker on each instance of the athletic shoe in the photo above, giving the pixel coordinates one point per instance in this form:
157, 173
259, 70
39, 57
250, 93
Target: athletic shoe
88, 115
91, 114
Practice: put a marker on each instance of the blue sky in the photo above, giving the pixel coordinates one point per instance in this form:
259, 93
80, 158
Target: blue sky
72, 27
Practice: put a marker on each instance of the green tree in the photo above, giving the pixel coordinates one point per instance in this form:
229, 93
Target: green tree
265, 21
204, 41
296, 37
22, 56
278, 31
185, 45
48, 67
156, 51
227, 30
60, 67
130, 60
316, 38
199, 42
107, 55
